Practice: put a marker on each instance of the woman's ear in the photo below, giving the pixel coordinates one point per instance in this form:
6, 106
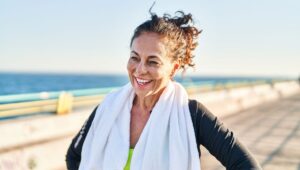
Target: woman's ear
176, 66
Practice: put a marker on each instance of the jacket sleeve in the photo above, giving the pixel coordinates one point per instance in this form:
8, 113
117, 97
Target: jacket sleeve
73, 155
221, 142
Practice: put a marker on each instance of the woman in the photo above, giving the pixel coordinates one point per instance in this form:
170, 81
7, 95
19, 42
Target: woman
150, 123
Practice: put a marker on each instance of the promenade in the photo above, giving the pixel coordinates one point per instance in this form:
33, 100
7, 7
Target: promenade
271, 132
264, 117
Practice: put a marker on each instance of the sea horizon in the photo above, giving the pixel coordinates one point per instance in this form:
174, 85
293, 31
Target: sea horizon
32, 82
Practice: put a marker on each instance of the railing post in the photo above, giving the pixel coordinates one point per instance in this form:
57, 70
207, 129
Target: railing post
64, 103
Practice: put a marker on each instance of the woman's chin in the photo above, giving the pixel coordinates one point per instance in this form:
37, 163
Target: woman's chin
141, 91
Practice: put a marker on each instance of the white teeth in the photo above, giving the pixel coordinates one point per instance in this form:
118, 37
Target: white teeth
141, 81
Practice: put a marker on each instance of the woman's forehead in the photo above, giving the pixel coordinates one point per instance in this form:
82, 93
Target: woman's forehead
149, 43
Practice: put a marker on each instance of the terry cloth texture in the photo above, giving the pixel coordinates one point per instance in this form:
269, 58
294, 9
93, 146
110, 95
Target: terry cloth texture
167, 141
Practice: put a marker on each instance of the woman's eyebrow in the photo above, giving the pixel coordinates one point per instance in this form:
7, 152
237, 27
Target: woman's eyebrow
154, 57
135, 53
149, 57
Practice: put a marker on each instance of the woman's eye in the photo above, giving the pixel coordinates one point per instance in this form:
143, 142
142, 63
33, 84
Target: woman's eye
134, 58
153, 62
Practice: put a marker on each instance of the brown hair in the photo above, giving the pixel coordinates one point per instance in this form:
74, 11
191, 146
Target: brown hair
179, 32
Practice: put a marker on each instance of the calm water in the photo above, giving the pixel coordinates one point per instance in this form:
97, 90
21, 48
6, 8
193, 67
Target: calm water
17, 83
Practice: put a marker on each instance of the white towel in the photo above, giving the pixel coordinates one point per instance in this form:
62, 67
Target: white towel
166, 143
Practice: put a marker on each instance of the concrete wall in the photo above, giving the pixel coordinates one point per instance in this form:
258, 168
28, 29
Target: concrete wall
41, 142
228, 101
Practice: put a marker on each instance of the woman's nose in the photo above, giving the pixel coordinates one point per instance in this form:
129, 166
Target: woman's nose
141, 68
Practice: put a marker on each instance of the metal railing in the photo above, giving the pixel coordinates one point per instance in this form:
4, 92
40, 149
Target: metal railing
64, 102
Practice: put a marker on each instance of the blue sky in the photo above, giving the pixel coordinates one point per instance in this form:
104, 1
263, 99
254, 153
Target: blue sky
242, 38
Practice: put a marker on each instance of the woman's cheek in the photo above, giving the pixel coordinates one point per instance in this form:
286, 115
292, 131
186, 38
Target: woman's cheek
130, 66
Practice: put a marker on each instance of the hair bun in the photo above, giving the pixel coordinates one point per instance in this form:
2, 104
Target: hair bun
154, 17
182, 20
180, 32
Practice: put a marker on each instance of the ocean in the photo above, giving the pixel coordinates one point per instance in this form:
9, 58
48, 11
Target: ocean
21, 83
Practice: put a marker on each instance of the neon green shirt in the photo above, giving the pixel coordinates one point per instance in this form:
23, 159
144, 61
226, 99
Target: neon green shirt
127, 166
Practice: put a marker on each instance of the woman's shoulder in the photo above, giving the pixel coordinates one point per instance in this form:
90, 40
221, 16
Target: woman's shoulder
197, 109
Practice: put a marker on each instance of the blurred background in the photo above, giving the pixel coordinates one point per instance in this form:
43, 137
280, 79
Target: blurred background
62, 57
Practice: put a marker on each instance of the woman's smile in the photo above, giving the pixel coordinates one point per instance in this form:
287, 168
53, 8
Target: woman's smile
142, 82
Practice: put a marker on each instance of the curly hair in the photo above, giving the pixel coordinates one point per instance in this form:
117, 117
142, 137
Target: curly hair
179, 32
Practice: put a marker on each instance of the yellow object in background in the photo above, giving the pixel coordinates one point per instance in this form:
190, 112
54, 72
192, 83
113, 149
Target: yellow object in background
65, 102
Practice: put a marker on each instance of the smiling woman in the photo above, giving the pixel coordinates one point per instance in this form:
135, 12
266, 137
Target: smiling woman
150, 123
149, 68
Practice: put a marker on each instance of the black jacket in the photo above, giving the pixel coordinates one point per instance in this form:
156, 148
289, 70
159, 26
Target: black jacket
209, 132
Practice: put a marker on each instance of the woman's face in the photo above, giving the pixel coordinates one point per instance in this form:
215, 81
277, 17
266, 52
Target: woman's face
149, 66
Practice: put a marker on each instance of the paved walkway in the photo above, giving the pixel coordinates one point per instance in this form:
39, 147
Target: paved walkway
270, 131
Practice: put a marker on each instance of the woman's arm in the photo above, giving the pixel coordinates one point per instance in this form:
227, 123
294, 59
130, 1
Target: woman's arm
221, 142
73, 156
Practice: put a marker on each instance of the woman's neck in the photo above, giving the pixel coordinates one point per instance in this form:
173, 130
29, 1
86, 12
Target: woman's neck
146, 103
